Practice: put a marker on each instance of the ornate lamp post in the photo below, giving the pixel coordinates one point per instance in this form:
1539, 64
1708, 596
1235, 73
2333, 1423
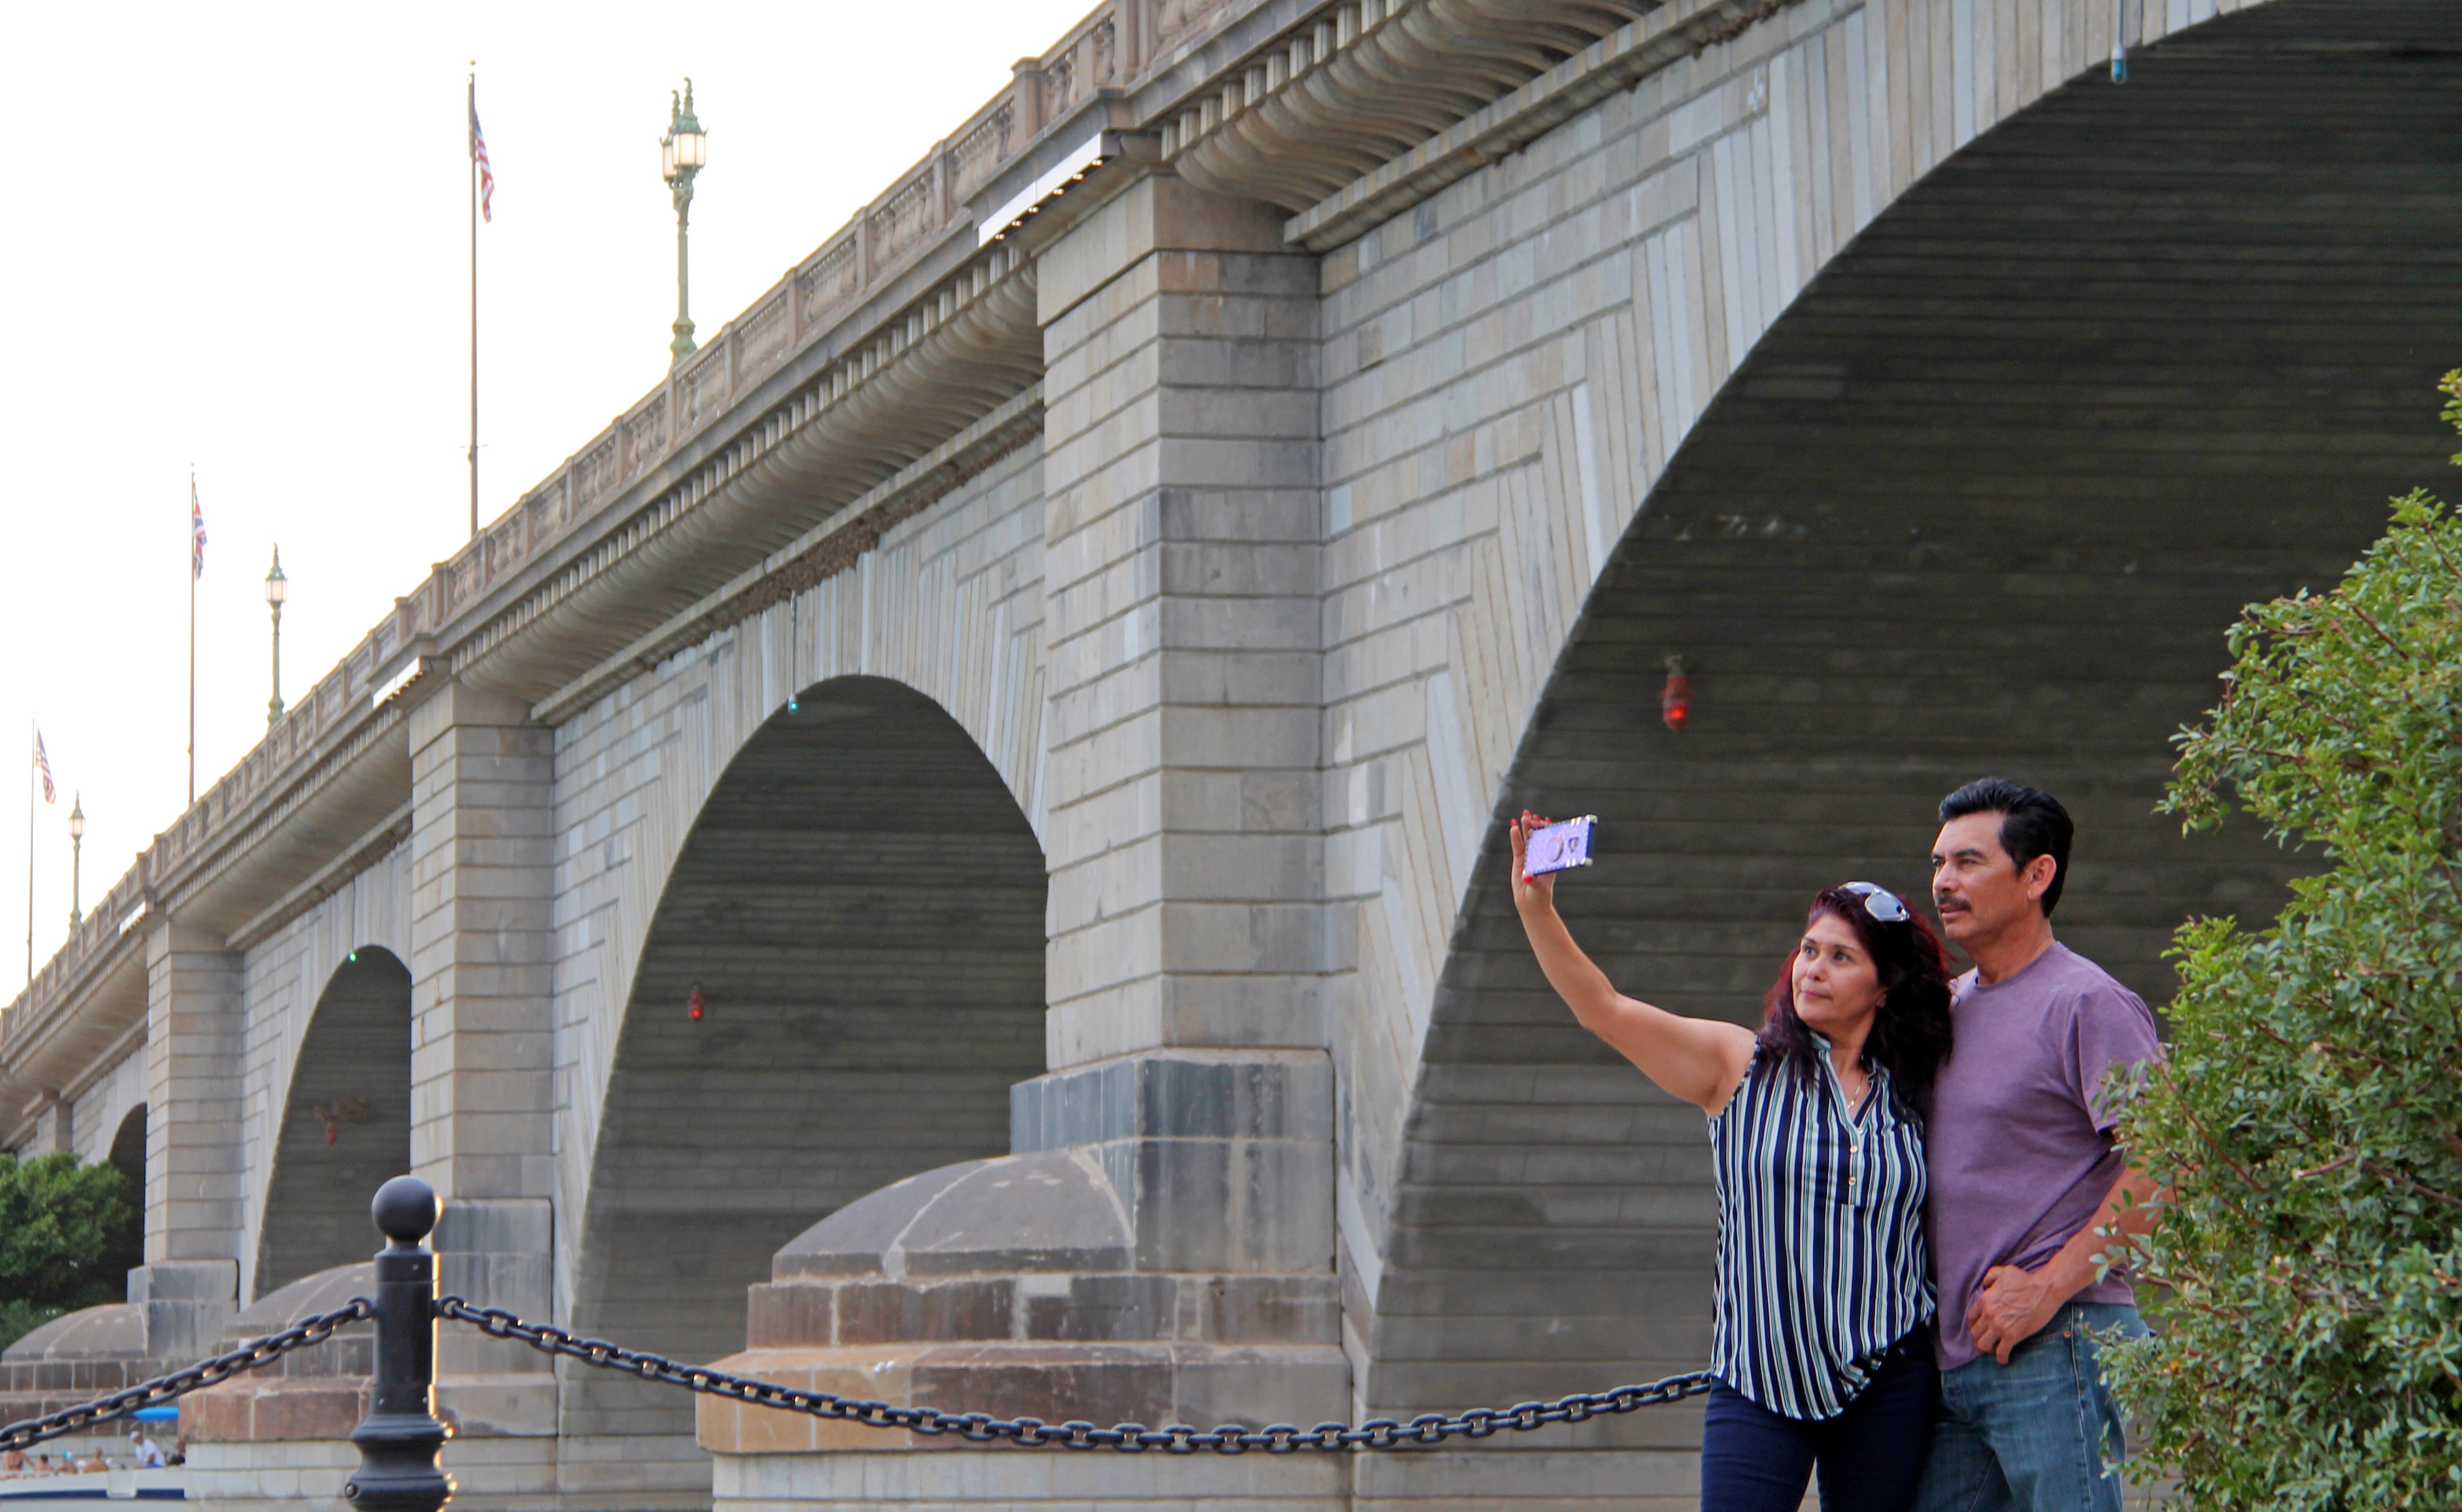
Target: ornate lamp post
681, 152
277, 588
77, 861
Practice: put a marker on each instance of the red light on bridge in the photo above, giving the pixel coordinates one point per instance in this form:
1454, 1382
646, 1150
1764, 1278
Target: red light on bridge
694, 1004
1675, 699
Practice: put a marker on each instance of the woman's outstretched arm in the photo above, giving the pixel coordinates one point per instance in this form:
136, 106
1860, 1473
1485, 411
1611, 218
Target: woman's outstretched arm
1699, 1060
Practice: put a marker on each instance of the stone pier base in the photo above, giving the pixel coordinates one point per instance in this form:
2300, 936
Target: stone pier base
985, 1480
491, 1475
494, 1475
1485, 1474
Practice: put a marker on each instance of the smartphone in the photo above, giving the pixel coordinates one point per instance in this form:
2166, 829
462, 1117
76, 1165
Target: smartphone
1559, 847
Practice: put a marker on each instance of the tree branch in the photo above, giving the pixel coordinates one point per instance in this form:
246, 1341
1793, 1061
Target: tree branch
2399, 1179
2330, 1165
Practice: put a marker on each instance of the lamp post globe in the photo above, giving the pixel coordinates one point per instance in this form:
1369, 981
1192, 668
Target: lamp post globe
77, 858
277, 590
682, 152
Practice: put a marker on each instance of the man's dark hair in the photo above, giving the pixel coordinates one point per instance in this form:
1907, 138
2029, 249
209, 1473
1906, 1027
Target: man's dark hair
2032, 824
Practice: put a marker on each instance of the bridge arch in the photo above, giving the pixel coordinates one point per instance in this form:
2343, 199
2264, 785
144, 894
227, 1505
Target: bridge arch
126, 1155
127, 1151
345, 1128
858, 912
1983, 498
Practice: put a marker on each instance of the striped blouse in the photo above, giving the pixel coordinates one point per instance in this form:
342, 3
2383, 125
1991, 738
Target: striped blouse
1821, 1260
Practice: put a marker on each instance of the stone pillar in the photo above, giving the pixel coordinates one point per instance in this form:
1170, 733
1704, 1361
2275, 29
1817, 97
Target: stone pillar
190, 1284
482, 1121
1181, 525
1159, 1245
56, 1125
481, 848
1188, 950
481, 853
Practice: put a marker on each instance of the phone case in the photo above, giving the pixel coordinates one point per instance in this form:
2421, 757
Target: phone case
1559, 847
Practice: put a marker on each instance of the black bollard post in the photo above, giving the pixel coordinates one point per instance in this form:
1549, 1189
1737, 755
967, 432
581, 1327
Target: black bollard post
399, 1437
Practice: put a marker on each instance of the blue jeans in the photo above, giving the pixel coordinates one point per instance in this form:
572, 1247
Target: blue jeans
1755, 1460
2034, 1435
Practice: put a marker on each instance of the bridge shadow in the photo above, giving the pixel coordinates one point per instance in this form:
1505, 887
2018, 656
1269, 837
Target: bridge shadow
125, 1248
858, 914
345, 1127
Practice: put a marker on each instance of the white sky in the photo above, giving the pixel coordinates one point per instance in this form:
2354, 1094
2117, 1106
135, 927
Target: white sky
239, 241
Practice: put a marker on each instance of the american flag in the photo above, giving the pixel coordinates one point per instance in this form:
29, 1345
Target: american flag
478, 155
43, 766
196, 531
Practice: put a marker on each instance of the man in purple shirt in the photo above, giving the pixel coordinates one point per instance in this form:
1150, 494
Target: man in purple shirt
2028, 1194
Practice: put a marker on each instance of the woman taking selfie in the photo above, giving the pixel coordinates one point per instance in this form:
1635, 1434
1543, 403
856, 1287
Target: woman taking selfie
1823, 1348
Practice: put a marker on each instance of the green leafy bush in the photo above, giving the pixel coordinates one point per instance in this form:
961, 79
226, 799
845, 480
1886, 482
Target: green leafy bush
2309, 1115
64, 1231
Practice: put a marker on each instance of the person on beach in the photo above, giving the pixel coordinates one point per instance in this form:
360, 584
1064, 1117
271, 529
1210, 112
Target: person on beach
1822, 1343
2032, 1205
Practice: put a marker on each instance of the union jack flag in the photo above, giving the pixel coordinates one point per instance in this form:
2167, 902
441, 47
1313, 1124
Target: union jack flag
196, 531
478, 155
43, 766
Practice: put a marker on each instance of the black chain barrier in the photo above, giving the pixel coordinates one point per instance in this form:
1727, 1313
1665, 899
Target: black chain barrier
1032, 1433
399, 1436
300, 1335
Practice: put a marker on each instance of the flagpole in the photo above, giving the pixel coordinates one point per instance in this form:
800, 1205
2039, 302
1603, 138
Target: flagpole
192, 638
30, 738
474, 311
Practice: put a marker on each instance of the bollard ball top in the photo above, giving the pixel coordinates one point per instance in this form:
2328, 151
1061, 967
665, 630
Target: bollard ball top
404, 1209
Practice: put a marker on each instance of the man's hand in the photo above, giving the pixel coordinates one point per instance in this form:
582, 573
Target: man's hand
2013, 1306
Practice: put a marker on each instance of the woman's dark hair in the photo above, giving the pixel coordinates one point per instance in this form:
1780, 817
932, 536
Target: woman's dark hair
1911, 1033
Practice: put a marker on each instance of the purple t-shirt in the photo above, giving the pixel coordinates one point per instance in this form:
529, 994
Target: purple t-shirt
2020, 1143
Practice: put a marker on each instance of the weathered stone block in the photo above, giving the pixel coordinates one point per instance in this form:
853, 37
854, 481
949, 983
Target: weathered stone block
897, 1312
1176, 1095
1258, 1384
1233, 1205
789, 1316
1124, 1308
1269, 1310
517, 1404
1103, 1383
186, 1304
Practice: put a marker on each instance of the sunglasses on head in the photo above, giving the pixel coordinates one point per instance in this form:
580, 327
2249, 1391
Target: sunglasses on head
1878, 901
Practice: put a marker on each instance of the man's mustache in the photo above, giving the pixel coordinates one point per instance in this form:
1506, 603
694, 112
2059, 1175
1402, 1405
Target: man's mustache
1947, 902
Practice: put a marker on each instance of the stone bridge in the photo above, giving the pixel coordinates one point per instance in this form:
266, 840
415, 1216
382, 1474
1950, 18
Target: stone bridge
973, 810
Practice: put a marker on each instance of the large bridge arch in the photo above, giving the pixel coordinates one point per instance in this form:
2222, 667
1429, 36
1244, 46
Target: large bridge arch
345, 1127
127, 1151
860, 907
1984, 497
126, 1155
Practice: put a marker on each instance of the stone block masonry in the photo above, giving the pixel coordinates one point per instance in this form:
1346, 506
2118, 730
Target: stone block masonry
1181, 572
481, 852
